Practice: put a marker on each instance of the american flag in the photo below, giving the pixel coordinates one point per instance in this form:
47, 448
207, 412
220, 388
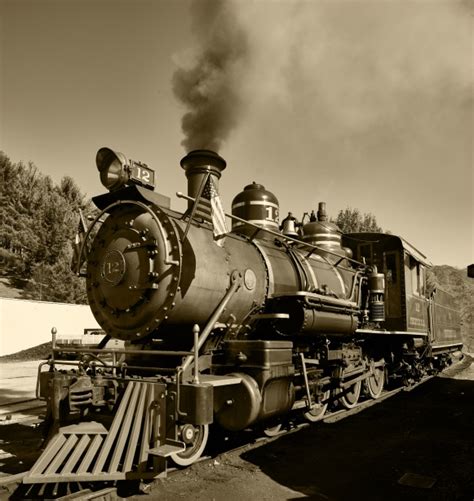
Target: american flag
78, 260
211, 210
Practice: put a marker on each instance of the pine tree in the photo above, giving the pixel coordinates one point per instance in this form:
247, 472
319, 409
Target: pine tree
352, 221
38, 222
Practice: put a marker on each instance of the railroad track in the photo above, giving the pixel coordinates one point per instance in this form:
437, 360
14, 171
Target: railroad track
25, 411
78, 493
75, 491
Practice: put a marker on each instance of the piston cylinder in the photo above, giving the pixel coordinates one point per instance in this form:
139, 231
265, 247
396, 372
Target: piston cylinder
266, 388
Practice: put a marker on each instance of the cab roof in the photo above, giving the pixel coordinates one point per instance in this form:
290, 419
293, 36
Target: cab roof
394, 240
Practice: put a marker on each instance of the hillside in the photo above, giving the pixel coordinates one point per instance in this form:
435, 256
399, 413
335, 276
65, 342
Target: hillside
40, 352
8, 290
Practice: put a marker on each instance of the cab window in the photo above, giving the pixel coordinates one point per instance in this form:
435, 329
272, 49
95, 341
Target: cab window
365, 251
422, 279
391, 268
415, 277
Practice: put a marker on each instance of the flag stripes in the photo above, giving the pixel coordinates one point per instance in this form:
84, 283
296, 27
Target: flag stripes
209, 207
218, 217
77, 259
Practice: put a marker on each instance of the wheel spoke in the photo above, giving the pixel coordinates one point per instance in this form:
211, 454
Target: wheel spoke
351, 395
374, 384
318, 410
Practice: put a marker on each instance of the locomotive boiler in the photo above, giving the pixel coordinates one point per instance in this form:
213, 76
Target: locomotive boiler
238, 328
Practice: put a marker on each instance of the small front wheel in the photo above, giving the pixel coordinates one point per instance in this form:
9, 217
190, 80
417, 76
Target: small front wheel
195, 438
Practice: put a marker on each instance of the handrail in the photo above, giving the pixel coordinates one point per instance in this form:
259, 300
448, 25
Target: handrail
276, 234
116, 366
114, 204
195, 204
37, 390
236, 280
124, 351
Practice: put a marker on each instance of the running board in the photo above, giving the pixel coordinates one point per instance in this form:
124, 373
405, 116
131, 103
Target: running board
88, 452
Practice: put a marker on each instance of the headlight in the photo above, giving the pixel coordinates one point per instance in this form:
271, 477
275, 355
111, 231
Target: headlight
116, 170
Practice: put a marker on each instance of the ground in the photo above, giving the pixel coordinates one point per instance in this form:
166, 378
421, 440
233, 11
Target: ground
424, 437
427, 433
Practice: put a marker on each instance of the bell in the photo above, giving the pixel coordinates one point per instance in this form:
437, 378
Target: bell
288, 226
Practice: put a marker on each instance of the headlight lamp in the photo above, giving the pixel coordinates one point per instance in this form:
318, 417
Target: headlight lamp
116, 170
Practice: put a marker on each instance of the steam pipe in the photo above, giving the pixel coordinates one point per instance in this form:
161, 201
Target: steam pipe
236, 279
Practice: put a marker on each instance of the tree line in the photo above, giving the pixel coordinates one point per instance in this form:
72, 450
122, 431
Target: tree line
38, 222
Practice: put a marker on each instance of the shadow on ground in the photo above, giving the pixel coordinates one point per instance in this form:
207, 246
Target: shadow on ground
429, 432
24, 443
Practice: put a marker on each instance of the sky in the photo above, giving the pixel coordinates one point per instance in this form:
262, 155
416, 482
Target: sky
358, 103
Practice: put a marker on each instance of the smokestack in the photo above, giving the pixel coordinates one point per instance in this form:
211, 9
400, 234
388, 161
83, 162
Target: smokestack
197, 164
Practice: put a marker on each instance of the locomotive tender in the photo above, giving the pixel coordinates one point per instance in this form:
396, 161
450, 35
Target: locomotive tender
237, 328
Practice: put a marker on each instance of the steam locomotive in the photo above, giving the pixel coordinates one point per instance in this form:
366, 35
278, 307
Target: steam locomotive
239, 328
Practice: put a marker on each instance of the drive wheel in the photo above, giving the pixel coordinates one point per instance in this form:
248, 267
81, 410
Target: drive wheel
195, 438
317, 412
374, 384
351, 395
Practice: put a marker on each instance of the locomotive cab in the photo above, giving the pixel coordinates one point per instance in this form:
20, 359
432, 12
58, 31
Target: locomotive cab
411, 306
404, 267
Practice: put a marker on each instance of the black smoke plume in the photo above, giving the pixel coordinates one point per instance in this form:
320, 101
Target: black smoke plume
210, 88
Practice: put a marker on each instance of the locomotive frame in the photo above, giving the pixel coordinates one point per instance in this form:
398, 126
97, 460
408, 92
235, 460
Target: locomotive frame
242, 328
